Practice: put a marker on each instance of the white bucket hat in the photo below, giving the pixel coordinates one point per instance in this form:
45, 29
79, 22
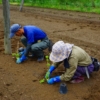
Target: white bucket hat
60, 51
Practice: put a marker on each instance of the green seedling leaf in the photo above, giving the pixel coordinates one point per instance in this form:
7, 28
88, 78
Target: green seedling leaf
17, 55
13, 54
42, 80
47, 60
47, 57
48, 64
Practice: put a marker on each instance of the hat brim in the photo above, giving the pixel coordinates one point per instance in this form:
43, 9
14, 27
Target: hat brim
11, 35
57, 58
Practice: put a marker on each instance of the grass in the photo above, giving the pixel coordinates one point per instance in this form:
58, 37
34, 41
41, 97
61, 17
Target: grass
63, 7
68, 7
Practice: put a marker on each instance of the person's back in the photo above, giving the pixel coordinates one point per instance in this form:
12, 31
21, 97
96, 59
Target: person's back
76, 61
33, 33
30, 35
83, 58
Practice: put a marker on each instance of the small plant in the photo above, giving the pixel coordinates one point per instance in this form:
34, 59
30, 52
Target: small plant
16, 55
48, 65
48, 61
42, 80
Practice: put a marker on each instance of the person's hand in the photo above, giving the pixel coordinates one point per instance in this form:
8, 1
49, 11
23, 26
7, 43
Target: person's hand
21, 53
50, 81
47, 76
20, 60
49, 72
54, 80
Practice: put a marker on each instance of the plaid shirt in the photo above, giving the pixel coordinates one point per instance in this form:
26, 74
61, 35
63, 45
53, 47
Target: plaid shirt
60, 52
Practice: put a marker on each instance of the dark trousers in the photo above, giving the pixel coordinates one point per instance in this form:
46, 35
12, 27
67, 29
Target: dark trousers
37, 47
80, 71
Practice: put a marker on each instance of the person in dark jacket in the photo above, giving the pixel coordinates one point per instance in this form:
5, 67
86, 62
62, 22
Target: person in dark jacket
33, 38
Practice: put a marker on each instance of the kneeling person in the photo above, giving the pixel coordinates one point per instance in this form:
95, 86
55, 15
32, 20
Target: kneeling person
31, 35
76, 61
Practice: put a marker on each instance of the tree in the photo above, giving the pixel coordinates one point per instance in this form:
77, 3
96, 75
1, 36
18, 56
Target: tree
93, 3
6, 14
21, 5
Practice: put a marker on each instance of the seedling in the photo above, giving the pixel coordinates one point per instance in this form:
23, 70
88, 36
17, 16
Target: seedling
48, 61
16, 55
48, 64
43, 80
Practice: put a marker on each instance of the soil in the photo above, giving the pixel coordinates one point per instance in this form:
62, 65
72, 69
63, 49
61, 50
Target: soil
21, 81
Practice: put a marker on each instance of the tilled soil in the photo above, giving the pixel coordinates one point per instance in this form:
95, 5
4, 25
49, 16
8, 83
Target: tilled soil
21, 81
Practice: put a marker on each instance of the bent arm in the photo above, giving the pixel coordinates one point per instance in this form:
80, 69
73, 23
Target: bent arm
73, 62
27, 49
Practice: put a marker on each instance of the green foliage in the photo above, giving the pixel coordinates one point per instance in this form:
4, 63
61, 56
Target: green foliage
42, 80
48, 61
16, 55
76, 5
0, 1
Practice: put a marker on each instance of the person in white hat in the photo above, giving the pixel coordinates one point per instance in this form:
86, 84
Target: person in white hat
31, 35
75, 61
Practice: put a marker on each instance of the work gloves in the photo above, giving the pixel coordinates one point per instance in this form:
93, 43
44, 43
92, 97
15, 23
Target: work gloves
54, 80
52, 68
21, 52
21, 59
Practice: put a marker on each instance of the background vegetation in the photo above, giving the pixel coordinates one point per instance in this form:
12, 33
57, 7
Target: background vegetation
75, 5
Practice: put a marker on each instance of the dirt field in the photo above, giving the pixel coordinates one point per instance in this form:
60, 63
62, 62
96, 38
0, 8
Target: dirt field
21, 81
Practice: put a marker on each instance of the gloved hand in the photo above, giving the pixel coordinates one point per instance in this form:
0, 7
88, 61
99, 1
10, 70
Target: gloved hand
20, 60
22, 52
54, 80
21, 49
47, 76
